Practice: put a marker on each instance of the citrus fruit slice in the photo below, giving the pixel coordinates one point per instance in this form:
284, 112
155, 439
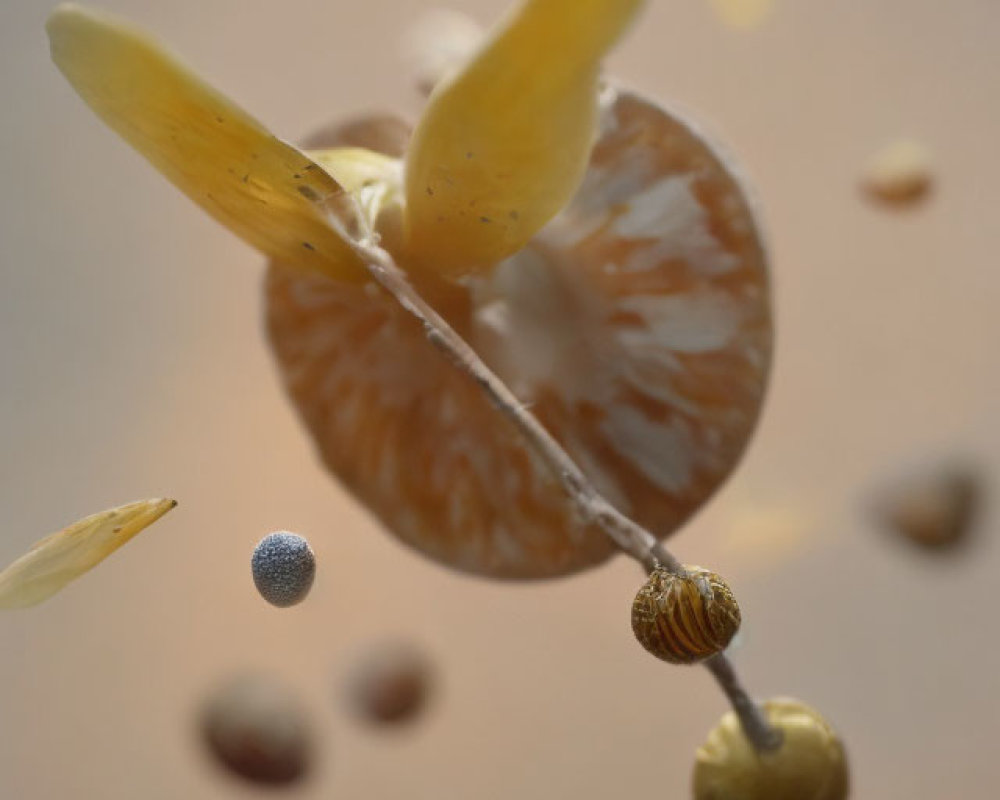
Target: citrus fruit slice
636, 326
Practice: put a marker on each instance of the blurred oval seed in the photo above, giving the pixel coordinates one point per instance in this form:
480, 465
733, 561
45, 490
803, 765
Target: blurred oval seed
934, 507
256, 728
391, 684
899, 174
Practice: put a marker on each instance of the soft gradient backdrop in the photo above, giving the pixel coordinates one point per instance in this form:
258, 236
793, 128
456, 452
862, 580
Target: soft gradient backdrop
133, 364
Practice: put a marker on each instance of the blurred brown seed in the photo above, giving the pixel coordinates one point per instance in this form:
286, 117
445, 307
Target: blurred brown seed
934, 508
391, 684
899, 174
256, 728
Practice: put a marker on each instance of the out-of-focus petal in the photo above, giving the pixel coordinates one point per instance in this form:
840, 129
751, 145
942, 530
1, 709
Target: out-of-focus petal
502, 146
64, 556
264, 190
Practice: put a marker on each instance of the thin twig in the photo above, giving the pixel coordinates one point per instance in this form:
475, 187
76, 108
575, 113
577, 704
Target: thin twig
758, 730
592, 507
589, 503
755, 725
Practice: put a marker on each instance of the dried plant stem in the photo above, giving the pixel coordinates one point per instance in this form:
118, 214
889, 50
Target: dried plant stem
592, 507
589, 503
755, 725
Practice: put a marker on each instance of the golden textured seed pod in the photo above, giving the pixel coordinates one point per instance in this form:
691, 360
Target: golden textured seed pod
809, 765
685, 618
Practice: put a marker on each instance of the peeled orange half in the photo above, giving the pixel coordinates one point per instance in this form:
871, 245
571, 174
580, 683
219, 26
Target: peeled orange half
635, 325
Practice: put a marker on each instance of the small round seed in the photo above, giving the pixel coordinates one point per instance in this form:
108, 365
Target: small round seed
283, 568
686, 618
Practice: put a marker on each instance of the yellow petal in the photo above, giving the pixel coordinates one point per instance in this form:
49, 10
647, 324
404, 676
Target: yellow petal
64, 556
373, 179
264, 190
354, 168
503, 145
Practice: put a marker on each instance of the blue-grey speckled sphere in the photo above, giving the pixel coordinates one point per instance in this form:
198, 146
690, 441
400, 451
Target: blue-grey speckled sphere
283, 567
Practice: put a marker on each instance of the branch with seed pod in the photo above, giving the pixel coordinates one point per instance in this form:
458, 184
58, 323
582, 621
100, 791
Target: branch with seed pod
291, 207
592, 506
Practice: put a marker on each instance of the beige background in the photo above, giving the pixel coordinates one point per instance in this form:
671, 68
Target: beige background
133, 364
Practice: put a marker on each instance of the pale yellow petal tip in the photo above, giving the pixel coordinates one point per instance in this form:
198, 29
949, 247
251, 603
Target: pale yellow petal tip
63, 12
83, 39
59, 559
70, 19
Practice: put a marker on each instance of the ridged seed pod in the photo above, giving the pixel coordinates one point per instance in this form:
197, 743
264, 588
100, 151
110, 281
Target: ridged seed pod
809, 765
687, 618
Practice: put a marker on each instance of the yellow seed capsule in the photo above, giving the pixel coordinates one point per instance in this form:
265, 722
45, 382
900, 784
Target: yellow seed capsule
809, 765
685, 618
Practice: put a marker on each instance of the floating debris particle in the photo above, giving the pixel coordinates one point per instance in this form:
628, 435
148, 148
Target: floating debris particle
61, 558
766, 535
391, 684
900, 174
256, 728
744, 14
283, 568
934, 508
